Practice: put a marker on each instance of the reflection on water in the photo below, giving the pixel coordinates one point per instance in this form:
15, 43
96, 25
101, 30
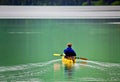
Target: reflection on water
55, 71
56, 66
70, 69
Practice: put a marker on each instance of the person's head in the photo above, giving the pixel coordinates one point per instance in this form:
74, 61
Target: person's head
69, 44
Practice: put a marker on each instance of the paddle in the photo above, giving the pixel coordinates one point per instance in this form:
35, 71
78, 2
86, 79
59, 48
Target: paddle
76, 57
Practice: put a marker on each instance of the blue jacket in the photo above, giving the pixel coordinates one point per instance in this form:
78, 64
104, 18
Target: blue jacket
69, 52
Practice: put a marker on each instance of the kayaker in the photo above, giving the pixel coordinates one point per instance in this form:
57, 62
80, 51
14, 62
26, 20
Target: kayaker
69, 52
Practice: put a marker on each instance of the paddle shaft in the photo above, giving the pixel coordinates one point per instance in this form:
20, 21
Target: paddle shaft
75, 57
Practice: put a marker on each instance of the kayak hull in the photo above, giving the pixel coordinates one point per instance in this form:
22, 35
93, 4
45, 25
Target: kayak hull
68, 62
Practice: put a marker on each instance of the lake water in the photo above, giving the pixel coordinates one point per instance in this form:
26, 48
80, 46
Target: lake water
27, 47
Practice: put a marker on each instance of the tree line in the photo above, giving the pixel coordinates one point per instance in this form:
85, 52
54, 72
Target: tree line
61, 2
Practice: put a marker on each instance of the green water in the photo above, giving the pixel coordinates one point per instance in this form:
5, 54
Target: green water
27, 45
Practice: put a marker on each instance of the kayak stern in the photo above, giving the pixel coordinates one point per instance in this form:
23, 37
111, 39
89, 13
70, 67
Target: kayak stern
67, 61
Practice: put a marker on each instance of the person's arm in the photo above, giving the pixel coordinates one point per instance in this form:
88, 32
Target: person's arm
74, 53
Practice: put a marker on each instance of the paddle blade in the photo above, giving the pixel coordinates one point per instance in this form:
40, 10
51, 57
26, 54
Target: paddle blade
56, 54
84, 58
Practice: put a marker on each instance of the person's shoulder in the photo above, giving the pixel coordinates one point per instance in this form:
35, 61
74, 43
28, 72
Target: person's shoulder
72, 49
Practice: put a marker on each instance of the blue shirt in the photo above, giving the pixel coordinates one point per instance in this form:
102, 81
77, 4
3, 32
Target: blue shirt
69, 52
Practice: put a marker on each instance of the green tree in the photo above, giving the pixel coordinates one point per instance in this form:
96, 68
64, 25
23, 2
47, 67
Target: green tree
84, 3
88, 2
116, 3
100, 2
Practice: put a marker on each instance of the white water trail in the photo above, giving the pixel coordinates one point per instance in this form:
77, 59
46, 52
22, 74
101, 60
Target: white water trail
26, 71
103, 66
26, 66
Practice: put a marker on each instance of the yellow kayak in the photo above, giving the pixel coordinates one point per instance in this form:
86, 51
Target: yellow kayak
68, 61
